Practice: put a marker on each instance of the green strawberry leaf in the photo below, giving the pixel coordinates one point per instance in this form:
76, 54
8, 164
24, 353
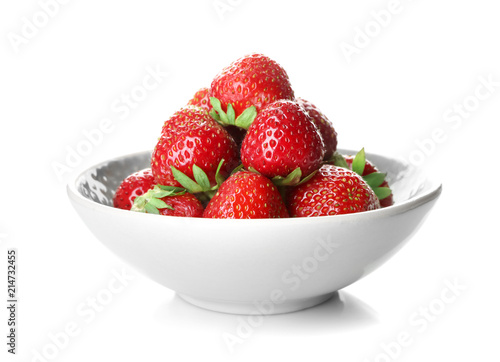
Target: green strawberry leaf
382, 192
308, 177
174, 189
160, 194
292, 179
201, 178
338, 160
223, 116
150, 209
358, 164
251, 169
214, 115
246, 118
185, 181
374, 179
159, 204
230, 114
201, 184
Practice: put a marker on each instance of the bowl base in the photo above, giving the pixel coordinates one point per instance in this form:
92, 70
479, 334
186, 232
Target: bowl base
257, 307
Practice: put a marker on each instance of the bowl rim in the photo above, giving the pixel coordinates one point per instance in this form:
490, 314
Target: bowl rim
432, 193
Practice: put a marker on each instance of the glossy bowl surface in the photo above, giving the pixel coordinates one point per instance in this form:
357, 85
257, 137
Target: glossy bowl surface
263, 266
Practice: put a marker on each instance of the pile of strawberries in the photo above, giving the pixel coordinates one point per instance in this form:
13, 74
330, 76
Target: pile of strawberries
247, 148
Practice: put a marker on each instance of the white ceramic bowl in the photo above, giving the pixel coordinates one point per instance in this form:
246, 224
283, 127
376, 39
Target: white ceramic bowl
264, 266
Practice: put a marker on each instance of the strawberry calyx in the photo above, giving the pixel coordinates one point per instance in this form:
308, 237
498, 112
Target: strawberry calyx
201, 184
228, 118
294, 178
151, 202
374, 179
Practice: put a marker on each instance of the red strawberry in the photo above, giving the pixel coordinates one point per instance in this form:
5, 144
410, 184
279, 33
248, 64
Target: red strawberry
168, 200
191, 137
246, 195
331, 191
201, 99
324, 125
134, 185
282, 138
370, 168
183, 205
251, 80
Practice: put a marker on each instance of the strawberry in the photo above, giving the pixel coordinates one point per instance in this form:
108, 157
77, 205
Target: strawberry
168, 200
191, 137
246, 195
201, 99
281, 139
376, 180
332, 190
324, 125
132, 186
253, 80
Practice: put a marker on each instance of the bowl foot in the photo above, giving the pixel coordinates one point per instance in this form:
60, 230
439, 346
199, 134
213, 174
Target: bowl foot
258, 307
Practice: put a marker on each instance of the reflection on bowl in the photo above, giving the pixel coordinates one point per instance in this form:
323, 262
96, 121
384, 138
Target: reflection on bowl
263, 266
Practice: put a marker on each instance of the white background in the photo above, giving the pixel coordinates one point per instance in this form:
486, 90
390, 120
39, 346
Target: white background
398, 89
